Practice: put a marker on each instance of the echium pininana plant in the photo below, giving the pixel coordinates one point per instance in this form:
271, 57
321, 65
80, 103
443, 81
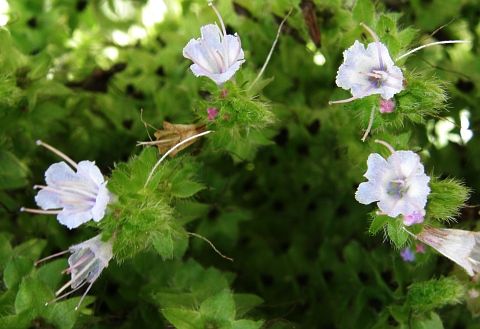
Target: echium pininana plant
399, 184
75, 197
216, 54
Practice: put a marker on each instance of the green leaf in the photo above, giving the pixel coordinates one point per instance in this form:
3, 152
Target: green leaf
431, 321
163, 243
186, 211
13, 172
396, 232
63, 315
364, 11
5, 250
246, 302
15, 270
246, 324
32, 296
186, 189
219, 308
378, 222
18, 321
183, 319
41, 64
50, 273
31, 248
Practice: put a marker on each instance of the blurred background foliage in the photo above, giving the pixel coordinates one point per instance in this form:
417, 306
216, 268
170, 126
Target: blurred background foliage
77, 73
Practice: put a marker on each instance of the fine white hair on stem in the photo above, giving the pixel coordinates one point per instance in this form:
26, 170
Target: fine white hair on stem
172, 149
271, 50
431, 44
370, 124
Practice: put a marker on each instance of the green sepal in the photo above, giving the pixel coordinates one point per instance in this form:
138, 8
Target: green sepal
396, 232
378, 222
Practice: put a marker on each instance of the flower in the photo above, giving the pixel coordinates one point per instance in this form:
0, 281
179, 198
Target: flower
86, 263
407, 255
419, 248
398, 183
462, 247
368, 71
212, 113
216, 54
81, 195
387, 105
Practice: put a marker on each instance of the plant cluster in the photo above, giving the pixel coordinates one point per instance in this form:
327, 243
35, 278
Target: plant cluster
248, 209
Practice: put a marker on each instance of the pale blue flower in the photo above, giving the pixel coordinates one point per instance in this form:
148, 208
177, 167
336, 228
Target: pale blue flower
407, 255
216, 54
75, 197
399, 184
369, 71
87, 262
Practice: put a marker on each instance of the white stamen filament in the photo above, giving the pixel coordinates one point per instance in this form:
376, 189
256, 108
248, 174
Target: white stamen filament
213, 54
74, 193
395, 156
196, 62
359, 95
40, 211
431, 44
66, 158
222, 37
79, 274
78, 263
51, 256
237, 55
65, 295
84, 294
377, 42
375, 75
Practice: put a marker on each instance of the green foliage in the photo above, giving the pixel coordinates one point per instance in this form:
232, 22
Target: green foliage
426, 296
271, 186
446, 198
215, 312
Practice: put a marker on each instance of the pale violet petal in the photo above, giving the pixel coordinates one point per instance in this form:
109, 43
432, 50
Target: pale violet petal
89, 168
377, 167
368, 192
60, 172
204, 63
408, 162
212, 35
103, 197
73, 218
49, 200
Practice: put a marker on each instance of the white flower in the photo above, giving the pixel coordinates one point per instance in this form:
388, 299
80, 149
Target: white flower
462, 247
369, 71
399, 184
86, 263
216, 54
77, 196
